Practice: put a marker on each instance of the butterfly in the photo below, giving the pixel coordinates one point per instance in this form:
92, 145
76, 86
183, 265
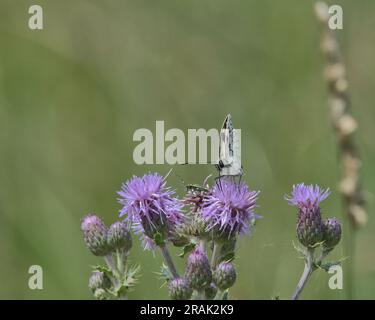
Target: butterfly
229, 164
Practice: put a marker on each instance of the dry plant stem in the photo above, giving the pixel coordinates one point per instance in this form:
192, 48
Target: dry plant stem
309, 268
168, 260
345, 127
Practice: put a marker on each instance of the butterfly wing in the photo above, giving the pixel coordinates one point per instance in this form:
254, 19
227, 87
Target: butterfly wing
230, 149
226, 142
236, 167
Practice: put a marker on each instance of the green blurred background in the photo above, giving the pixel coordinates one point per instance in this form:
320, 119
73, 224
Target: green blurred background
72, 95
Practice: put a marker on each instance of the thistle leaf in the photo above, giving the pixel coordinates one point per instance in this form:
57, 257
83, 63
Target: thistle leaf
228, 257
105, 269
326, 266
301, 251
131, 276
165, 274
158, 238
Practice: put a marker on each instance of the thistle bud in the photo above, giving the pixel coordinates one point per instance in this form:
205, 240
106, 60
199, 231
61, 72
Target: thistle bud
95, 235
196, 227
100, 294
310, 229
119, 236
198, 270
99, 280
332, 233
179, 289
211, 291
224, 275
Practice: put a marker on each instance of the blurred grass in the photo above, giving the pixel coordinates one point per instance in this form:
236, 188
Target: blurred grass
72, 95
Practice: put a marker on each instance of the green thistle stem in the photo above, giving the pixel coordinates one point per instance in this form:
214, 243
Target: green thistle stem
121, 261
109, 260
215, 255
200, 295
219, 295
309, 268
168, 260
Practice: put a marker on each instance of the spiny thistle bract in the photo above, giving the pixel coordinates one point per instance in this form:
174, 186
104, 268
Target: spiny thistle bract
206, 224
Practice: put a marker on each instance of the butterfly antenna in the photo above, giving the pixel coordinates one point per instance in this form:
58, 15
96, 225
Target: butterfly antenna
239, 182
205, 182
193, 163
166, 176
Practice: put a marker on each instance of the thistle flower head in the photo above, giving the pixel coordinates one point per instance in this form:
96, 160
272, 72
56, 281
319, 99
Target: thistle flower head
332, 233
148, 204
310, 229
198, 271
179, 289
119, 237
224, 275
307, 195
229, 208
95, 235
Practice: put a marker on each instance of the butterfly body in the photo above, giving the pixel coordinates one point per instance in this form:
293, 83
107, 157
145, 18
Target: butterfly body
229, 164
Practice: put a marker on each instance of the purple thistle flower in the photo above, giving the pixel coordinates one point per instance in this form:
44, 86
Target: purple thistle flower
148, 204
229, 208
310, 228
307, 196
